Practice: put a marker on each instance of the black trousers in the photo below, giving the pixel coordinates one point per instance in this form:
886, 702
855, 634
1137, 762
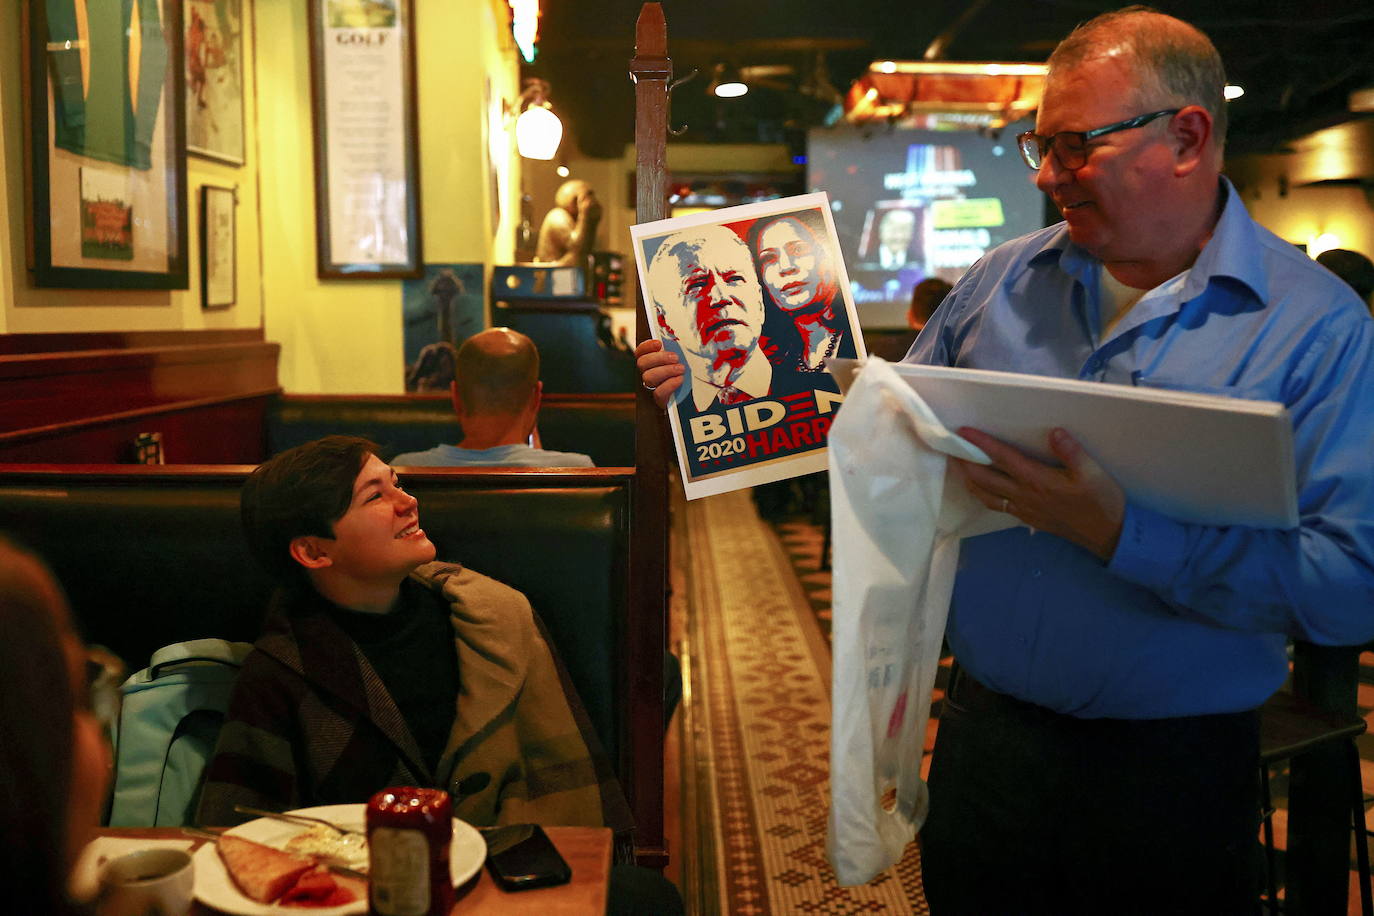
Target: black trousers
1033, 812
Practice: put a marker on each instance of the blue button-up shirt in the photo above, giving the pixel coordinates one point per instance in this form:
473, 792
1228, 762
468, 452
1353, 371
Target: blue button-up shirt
1186, 619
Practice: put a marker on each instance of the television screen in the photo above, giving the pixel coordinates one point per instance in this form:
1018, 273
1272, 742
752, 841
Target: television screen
910, 204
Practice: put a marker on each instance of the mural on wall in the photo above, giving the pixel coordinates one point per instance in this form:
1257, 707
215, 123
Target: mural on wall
214, 79
441, 309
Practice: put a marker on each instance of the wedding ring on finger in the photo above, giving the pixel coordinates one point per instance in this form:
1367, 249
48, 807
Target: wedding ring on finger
648, 387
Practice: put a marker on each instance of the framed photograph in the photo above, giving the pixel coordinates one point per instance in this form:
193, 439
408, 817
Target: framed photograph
218, 255
213, 41
367, 169
106, 145
754, 300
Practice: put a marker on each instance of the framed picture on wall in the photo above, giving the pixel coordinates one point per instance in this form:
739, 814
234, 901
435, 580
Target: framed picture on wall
106, 144
367, 170
218, 253
213, 43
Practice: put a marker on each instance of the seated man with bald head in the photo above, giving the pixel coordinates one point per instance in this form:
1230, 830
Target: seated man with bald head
496, 395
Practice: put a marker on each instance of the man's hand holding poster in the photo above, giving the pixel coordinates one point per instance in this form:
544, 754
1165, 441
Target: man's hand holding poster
753, 300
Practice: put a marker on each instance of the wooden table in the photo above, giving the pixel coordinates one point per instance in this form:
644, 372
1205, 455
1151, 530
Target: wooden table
586, 849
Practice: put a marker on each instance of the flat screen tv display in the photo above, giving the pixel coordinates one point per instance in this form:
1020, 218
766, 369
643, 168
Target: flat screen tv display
911, 204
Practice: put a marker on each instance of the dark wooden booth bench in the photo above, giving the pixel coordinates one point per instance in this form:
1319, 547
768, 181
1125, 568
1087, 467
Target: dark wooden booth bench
599, 425
153, 555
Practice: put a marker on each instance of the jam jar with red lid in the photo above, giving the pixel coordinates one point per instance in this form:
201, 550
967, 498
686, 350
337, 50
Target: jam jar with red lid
408, 835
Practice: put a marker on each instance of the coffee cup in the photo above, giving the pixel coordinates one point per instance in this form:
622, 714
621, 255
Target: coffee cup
150, 882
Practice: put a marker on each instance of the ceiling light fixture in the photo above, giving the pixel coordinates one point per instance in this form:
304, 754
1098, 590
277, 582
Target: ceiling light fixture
930, 93
1232, 92
538, 131
524, 27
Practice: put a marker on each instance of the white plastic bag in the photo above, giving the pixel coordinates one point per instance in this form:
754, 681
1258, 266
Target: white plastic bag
897, 520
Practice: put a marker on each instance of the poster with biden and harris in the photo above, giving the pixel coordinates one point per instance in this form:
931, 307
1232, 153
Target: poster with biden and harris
753, 300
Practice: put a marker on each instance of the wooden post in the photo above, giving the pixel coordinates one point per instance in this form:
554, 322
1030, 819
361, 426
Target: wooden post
647, 641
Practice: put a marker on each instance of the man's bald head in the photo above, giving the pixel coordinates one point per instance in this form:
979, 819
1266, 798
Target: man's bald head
1176, 63
497, 372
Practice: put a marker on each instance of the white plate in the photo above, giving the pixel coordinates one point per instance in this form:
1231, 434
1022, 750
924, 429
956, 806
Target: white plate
216, 889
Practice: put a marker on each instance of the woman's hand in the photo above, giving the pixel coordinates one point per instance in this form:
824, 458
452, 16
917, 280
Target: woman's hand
660, 370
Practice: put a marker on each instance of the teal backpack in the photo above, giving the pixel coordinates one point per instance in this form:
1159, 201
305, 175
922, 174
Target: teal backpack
168, 724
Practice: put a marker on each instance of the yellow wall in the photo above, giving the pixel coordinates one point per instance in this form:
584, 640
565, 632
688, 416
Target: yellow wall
337, 336
30, 310
1301, 212
345, 336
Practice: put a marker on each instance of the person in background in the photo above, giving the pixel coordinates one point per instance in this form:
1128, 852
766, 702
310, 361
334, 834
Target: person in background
926, 297
54, 762
380, 667
496, 395
1352, 267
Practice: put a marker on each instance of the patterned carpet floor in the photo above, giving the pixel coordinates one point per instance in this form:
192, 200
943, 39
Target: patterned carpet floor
759, 712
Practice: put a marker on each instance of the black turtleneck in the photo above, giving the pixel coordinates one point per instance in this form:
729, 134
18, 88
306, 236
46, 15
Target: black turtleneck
412, 651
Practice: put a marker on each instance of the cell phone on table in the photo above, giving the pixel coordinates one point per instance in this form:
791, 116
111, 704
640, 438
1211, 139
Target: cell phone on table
521, 856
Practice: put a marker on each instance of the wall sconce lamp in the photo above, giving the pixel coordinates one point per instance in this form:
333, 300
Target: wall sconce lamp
727, 82
538, 131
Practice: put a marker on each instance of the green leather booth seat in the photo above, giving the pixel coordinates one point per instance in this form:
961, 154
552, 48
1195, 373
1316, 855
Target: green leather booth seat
150, 556
599, 425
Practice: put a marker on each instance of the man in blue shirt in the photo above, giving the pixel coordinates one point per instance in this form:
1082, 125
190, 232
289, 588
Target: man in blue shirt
496, 394
1103, 736
1099, 751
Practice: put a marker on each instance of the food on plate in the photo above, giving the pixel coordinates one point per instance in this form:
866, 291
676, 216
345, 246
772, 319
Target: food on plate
319, 888
327, 844
261, 872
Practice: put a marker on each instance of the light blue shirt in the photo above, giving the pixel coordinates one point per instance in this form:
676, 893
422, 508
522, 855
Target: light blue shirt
522, 456
1186, 619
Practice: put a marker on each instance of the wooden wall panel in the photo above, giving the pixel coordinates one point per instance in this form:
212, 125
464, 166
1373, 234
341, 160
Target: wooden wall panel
11, 344
223, 432
204, 391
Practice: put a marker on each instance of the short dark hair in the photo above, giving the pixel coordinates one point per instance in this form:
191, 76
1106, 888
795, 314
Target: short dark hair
1352, 267
302, 491
926, 297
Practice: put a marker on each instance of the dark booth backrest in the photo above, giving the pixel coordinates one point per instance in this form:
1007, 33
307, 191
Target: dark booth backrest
599, 425
152, 556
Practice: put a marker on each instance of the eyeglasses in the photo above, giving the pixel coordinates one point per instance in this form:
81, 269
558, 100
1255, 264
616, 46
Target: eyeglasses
1071, 146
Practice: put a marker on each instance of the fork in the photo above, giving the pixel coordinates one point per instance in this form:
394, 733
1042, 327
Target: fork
297, 819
